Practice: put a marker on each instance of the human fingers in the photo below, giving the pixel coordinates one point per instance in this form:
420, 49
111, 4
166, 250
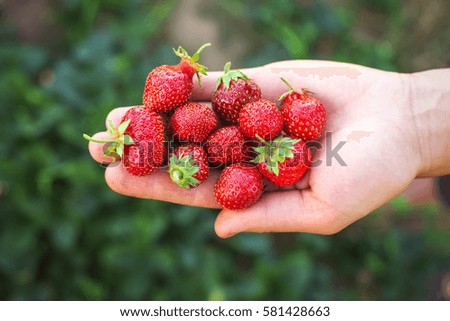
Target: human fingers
283, 211
97, 149
160, 187
207, 87
115, 116
335, 83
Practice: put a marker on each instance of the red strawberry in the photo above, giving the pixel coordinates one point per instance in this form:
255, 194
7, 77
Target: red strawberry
168, 87
284, 160
188, 166
234, 89
226, 146
238, 186
304, 116
193, 122
261, 118
138, 140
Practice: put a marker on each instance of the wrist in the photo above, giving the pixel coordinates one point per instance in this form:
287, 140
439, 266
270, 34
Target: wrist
430, 104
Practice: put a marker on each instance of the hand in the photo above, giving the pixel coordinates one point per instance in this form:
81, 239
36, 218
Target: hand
377, 168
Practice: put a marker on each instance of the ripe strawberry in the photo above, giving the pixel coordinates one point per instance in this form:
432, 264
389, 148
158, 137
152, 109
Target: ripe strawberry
304, 116
188, 166
234, 89
168, 87
238, 186
226, 146
261, 118
193, 122
284, 160
138, 140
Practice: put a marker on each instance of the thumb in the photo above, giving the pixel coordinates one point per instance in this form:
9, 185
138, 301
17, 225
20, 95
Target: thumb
285, 211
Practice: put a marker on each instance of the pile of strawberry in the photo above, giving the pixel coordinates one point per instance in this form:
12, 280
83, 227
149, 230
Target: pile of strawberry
248, 137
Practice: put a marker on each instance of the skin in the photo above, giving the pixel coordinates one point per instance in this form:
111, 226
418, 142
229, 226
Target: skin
405, 137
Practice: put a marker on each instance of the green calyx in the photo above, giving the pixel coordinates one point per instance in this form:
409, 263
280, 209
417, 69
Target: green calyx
118, 139
181, 171
229, 75
274, 152
183, 54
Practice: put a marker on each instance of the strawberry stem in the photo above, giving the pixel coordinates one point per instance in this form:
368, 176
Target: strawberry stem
117, 141
304, 91
287, 83
291, 90
261, 139
87, 137
196, 55
192, 61
177, 176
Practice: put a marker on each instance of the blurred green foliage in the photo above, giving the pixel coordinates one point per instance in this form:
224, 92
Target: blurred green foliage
314, 30
64, 235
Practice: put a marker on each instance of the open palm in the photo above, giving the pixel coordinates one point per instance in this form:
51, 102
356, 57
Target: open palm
368, 156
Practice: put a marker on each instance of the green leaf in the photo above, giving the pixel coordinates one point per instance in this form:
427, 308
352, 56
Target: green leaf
218, 82
226, 80
127, 140
110, 124
260, 149
258, 159
123, 126
226, 68
271, 164
277, 158
288, 153
119, 150
193, 181
111, 132
229, 75
275, 169
237, 74
182, 169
